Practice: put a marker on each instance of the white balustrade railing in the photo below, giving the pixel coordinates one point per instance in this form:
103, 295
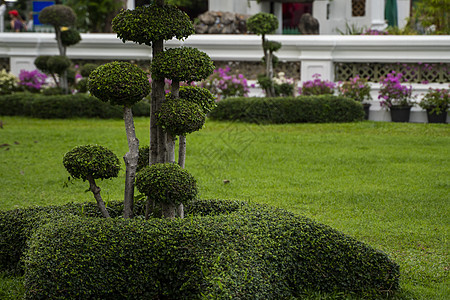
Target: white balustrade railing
317, 53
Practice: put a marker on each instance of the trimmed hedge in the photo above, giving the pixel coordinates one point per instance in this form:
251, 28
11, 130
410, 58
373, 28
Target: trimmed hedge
220, 250
303, 109
64, 106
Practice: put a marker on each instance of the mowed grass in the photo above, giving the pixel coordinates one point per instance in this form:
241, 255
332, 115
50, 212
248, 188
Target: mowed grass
386, 184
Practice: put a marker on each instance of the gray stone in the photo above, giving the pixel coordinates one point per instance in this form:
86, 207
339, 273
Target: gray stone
308, 24
208, 18
227, 18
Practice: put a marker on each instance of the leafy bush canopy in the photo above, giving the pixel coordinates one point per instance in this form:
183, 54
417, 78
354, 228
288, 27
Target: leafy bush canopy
262, 23
70, 37
91, 160
146, 24
167, 183
223, 249
179, 117
86, 69
121, 83
58, 15
182, 64
198, 95
58, 64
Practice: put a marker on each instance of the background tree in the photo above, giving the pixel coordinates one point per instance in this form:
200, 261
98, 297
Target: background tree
122, 83
58, 16
95, 16
433, 12
92, 162
56, 66
262, 24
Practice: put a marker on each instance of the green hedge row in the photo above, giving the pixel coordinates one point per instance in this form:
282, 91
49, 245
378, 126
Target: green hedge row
220, 250
64, 106
303, 109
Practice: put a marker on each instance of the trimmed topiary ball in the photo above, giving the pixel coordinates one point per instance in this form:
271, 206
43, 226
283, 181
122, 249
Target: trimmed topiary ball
121, 83
41, 62
70, 37
58, 15
144, 157
179, 117
86, 69
272, 46
144, 25
182, 64
198, 95
262, 23
167, 183
91, 160
58, 64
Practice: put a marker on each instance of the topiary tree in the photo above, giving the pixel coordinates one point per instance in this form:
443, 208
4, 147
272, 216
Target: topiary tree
262, 24
92, 162
61, 16
122, 83
167, 185
152, 25
180, 64
55, 66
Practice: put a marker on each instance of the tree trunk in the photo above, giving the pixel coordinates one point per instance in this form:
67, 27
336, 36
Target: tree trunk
96, 191
131, 161
62, 51
175, 91
157, 135
182, 151
270, 72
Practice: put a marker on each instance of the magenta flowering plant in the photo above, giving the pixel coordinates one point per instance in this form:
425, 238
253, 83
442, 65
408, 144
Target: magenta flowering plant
223, 85
375, 32
317, 87
356, 88
436, 100
32, 81
393, 92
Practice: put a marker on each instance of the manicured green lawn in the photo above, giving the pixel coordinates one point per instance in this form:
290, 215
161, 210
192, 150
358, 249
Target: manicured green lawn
386, 184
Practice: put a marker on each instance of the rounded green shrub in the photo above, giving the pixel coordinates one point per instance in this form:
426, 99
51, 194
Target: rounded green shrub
70, 37
91, 160
121, 83
272, 46
58, 64
221, 249
58, 15
146, 24
182, 64
166, 183
262, 23
278, 110
198, 95
81, 85
144, 157
179, 117
52, 91
86, 69
41, 62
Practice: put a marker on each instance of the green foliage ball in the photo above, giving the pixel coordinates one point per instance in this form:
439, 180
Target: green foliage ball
183, 64
262, 23
272, 46
179, 117
198, 95
144, 25
70, 37
167, 183
58, 15
86, 69
91, 160
58, 64
121, 83
144, 157
41, 62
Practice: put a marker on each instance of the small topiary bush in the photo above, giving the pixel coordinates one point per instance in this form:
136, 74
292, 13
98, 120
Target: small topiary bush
58, 15
121, 83
150, 23
179, 117
167, 183
70, 37
199, 96
245, 252
64, 106
304, 109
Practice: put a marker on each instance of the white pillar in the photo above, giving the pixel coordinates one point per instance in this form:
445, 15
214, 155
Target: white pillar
319, 11
403, 12
131, 4
2, 17
220, 5
377, 15
278, 12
